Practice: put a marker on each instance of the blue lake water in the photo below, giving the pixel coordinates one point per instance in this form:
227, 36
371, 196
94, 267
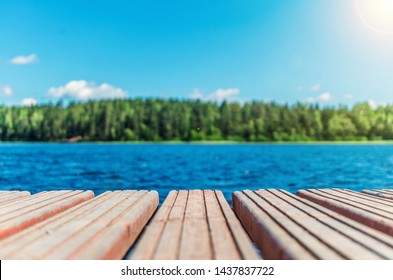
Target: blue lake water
163, 167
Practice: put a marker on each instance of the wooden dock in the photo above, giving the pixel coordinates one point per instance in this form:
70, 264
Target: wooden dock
195, 224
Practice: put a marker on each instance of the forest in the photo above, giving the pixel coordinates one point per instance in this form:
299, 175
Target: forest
193, 120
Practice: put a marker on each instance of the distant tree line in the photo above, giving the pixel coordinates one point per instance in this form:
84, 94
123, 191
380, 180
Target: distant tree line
193, 120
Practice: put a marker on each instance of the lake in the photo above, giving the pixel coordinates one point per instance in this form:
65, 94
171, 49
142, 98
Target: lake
163, 167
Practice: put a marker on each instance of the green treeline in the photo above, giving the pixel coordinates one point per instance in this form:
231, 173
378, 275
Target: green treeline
192, 120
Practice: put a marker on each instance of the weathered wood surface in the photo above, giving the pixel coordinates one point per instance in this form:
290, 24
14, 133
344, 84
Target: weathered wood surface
315, 224
24, 212
372, 211
285, 226
7, 197
194, 225
104, 227
386, 193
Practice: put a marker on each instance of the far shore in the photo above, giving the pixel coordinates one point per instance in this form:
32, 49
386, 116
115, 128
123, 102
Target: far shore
223, 142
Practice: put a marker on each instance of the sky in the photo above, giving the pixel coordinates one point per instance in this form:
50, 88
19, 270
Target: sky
331, 52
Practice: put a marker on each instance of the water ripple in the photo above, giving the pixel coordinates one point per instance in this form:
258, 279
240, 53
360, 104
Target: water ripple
101, 167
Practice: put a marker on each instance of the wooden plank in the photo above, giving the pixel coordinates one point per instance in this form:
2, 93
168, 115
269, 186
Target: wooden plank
200, 225
146, 247
195, 240
6, 193
223, 244
9, 196
381, 193
18, 242
19, 216
103, 228
34, 202
169, 242
364, 198
350, 239
87, 228
379, 236
376, 241
60, 237
242, 240
56, 233
114, 240
375, 205
14, 200
332, 239
283, 214
389, 191
377, 217
268, 234
278, 220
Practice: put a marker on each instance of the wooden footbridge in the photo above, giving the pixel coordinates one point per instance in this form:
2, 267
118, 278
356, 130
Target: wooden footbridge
195, 224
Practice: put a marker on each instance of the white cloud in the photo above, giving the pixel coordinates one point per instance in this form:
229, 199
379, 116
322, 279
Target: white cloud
229, 94
315, 88
84, 90
196, 94
19, 60
322, 98
348, 96
28, 102
225, 94
6, 90
325, 97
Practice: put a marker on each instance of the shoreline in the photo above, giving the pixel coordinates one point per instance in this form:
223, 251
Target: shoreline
224, 142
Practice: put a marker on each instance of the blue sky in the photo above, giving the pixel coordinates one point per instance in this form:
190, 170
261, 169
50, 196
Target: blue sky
330, 51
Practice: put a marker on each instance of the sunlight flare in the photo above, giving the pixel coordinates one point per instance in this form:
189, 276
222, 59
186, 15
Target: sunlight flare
377, 14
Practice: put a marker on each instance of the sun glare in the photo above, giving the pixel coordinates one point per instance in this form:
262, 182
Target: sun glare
377, 14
